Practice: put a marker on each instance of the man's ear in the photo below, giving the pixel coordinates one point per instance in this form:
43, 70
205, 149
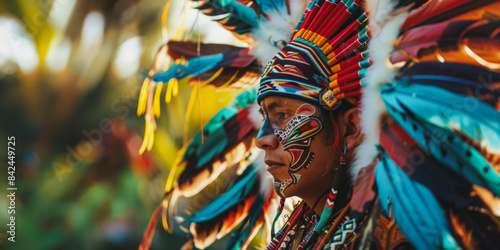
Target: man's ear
353, 135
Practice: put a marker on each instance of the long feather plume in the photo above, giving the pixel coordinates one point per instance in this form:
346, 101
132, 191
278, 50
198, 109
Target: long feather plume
438, 11
453, 41
414, 207
406, 103
435, 67
219, 217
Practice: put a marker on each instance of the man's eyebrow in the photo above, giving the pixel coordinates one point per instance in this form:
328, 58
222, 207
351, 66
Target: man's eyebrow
271, 107
274, 105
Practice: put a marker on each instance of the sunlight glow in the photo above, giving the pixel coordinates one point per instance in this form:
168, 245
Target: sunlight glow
58, 54
127, 60
16, 47
92, 31
61, 12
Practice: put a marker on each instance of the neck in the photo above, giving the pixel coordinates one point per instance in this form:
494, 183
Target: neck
317, 203
343, 194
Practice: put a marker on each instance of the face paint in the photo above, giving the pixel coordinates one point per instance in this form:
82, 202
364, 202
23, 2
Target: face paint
296, 139
266, 128
305, 109
279, 187
297, 136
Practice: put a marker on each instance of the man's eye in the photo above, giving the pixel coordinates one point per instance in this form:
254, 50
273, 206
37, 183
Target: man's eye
281, 116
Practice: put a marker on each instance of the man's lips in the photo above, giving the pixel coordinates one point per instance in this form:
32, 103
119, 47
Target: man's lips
271, 165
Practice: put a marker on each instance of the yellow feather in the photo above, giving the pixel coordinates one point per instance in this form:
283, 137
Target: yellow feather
151, 139
177, 164
141, 107
189, 110
213, 77
164, 221
156, 102
175, 88
168, 94
146, 137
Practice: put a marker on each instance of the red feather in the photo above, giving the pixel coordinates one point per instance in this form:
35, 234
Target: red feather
189, 49
150, 230
230, 77
363, 192
438, 11
483, 50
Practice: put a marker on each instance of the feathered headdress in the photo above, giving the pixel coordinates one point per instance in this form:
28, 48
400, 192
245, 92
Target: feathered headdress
431, 115
325, 59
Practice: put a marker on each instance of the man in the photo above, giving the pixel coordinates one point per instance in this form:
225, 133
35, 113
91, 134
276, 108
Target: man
309, 177
309, 150
308, 95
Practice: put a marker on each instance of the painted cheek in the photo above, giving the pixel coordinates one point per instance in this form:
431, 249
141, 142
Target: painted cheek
298, 144
281, 134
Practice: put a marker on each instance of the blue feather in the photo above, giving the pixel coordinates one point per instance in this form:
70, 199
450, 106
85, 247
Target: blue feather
236, 57
194, 66
215, 134
414, 207
215, 137
233, 196
241, 235
278, 6
459, 85
242, 17
430, 115
458, 70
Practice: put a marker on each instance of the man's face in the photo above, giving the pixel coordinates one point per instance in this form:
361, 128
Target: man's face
300, 162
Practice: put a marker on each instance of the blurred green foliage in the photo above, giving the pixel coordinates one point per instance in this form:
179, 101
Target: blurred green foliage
71, 106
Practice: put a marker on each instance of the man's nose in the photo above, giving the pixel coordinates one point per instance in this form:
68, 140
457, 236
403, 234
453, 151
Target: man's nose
266, 141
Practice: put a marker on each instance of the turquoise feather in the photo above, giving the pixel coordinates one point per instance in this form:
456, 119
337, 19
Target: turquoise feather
194, 66
429, 115
242, 234
233, 13
269, 6
309, 7
246, 98
215, 136
446, 110
413, 206
231, 197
